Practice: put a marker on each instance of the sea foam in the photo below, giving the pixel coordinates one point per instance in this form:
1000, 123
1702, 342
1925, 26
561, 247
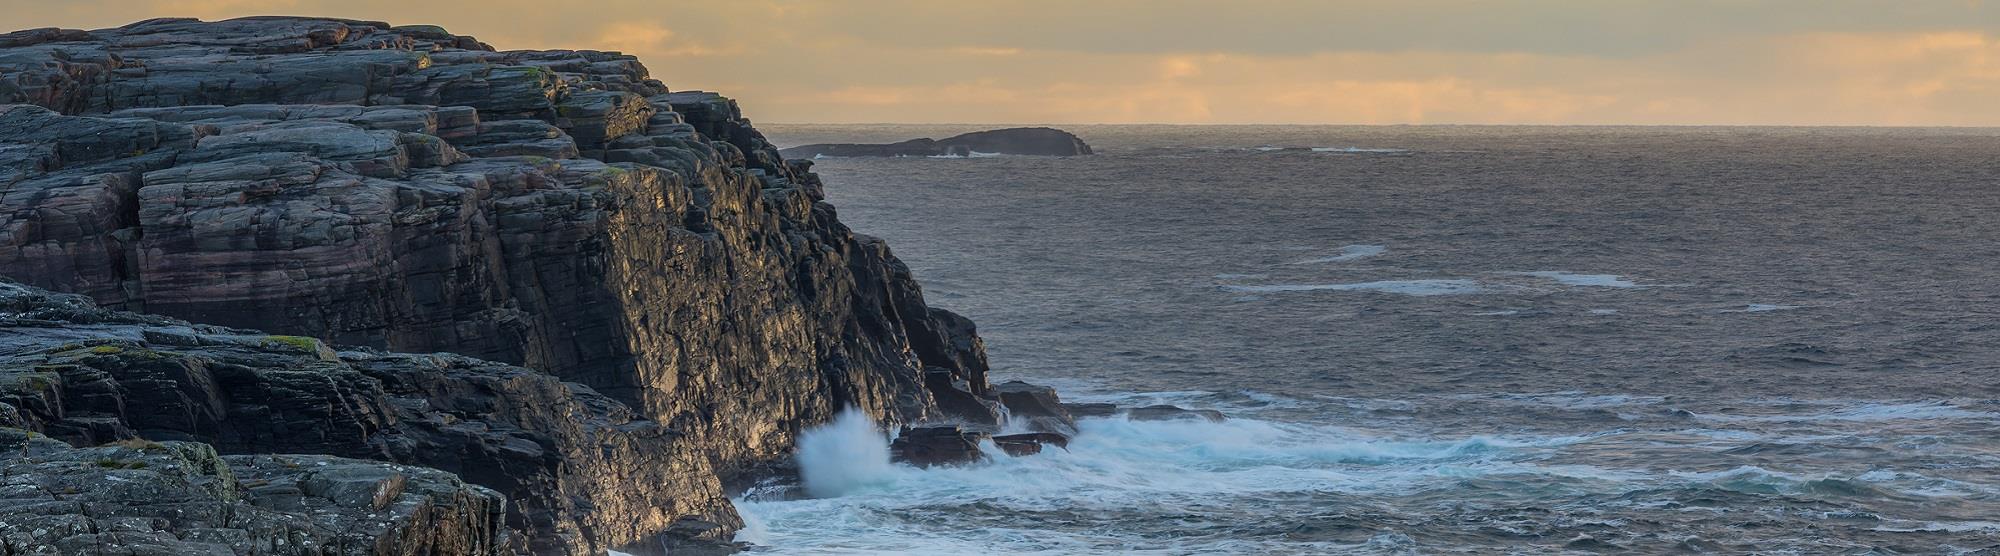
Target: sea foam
1403, 287
847, 454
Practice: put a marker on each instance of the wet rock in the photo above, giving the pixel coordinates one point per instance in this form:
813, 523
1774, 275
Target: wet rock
932, 446
1029, 443
1083, 410
1170, 413
1039, 405
1041, 141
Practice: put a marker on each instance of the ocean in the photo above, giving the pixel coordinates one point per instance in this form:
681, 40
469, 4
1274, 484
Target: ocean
1448, 340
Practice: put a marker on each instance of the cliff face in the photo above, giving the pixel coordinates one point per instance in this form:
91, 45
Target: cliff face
579, 472
407, 189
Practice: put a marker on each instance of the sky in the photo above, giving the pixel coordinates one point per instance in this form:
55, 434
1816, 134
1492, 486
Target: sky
1678, 62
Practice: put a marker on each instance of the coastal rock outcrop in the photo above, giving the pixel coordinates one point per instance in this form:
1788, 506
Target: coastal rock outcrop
1038, 141
1039, 405
581, 472
178, 498
643, 294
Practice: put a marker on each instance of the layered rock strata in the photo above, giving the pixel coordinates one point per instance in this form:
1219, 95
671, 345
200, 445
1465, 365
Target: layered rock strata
654, 296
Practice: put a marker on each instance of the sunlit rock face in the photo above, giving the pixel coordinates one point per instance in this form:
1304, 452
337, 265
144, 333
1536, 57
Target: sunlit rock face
407, 189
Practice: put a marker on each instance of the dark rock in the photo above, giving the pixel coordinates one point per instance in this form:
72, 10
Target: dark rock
1039, 405
931, 446
1040, 141
572, 461
1169, 413
403, 188
1029, 443
1083, 410
172, 498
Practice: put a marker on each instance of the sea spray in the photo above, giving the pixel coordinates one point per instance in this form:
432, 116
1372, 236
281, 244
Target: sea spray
847, 454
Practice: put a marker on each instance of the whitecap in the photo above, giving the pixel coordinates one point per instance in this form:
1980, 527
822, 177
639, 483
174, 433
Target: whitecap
845, 455
1762, 307
1574, 279
1356, 150
1349, 253
1402, 287
1869, 412
1116, 464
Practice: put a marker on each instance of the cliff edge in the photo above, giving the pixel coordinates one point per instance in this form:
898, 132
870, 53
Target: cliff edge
627, 271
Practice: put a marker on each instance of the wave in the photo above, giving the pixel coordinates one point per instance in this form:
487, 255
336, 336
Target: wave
1402, 287
1340, 150
1573, 279
1868, 412
1349, 253
1067, 501
846, 455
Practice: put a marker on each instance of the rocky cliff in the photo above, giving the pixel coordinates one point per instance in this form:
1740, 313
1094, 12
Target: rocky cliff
646, 294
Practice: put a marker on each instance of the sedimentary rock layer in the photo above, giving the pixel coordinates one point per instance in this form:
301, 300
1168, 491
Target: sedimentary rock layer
411, 190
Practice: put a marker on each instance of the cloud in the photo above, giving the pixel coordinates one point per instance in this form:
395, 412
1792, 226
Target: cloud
650, 39
1260, 61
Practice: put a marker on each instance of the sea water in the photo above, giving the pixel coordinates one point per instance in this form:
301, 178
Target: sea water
1448, 340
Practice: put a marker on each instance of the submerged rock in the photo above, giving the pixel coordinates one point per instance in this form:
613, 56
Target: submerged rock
1082, 410
1147, 413
1040, 141
1170, 412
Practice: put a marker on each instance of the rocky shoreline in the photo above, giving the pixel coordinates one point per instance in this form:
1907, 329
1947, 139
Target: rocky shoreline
343, 287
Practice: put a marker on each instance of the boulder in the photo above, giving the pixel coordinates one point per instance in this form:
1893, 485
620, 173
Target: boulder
1029, 443
1084, 410
1170, 413
1038, 405
937, 445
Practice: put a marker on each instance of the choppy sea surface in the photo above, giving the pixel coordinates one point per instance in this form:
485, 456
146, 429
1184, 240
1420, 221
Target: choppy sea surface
1450, 340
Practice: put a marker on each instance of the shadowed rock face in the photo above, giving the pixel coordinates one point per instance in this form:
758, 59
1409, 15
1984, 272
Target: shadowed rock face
407, 189
1040, 141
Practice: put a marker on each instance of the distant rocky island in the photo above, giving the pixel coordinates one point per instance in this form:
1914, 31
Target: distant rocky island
285, 285
1036, 141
